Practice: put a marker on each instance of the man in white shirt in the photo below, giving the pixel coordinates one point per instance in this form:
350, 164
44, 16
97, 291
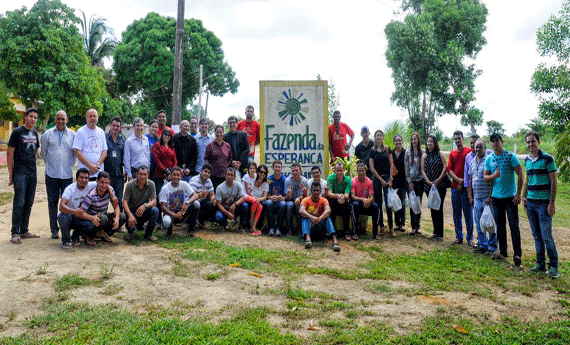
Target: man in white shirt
72, 197
177, 202
90, 145
316, 176
57, 152
203, 186
137, 150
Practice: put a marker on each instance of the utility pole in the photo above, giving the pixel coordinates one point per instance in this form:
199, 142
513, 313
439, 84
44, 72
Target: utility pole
177, 79
200, 94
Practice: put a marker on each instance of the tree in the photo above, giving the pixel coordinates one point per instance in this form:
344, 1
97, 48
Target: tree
334, 98
551, 83
495, 127
98, 39
7, 109
43, 63
474, 117
144, 60
429, 54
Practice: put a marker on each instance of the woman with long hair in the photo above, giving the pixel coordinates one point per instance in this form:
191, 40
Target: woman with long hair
381, 163
412, 160
164, 158
219, 155
435, 173
256, 193
152, 139
399, 180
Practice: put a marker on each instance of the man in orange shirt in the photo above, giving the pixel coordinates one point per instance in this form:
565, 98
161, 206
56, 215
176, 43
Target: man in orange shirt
315, 211
337, 137
252, 129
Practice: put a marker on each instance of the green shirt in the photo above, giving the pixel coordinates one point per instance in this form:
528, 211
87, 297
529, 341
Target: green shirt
537, 171
339, 188
136, 197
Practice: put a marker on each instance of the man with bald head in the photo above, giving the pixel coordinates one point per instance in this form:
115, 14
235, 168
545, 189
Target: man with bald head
57, 152
90, 145
186, 149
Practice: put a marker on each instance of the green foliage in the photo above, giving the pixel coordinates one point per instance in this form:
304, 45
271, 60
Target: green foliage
474, 117
393, 128
563, 154
494, 126
43, 63
349, 163
7, 109
427, 53
333, 98
552, 83
144, 61
98, 39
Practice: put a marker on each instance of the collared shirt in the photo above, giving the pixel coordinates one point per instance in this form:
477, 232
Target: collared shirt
468, 159
57, 152
94, 204
137, 196
202, 143
114, 159
538, 170
137, 153
477, 172
197, 185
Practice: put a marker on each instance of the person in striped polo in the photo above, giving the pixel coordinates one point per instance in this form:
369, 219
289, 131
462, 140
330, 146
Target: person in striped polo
539, 199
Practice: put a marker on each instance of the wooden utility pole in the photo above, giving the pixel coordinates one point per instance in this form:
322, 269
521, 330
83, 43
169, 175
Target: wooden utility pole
177, 87
200, 93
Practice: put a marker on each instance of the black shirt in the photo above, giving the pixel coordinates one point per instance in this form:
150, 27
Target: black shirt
186, 149
114, 160
381, 161
399, 180
25, 142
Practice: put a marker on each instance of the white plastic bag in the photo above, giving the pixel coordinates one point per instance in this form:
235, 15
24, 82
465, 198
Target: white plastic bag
415, 205
434, 200
487, 221
394, 200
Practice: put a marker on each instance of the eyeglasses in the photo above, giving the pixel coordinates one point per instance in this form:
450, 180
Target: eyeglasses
262, 172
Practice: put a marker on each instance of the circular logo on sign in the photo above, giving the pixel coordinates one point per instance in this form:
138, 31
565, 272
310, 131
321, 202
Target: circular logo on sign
292, 108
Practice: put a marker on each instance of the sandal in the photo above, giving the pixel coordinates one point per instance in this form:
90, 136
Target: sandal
28, 235
377, 237
347, 237
256, 233
308, 245
355, 237
89, 241
392, 233
16, 239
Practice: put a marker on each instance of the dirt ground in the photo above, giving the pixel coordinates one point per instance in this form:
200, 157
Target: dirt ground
145, 274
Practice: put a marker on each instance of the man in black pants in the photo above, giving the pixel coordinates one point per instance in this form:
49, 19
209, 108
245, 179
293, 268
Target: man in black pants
338, 193
186, 149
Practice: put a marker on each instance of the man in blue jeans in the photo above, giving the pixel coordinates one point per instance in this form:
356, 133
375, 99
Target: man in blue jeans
275, 202
230, 201
500, 168
316, 212
539, 199
479, 194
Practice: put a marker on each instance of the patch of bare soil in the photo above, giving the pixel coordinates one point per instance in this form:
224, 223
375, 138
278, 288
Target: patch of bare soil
143, 278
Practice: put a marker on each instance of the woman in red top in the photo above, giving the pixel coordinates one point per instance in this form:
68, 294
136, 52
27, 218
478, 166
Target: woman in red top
165, 159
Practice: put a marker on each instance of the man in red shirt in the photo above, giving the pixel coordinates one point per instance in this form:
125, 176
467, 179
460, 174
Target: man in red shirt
362, 193
252, 129
337, 137
459, 198
161, 119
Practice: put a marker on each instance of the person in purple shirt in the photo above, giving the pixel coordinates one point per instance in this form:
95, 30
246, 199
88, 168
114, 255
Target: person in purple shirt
472, 140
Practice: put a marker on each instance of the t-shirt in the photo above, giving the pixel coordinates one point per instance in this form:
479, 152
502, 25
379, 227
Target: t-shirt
296, 189
504, 186
197, 186
315, 208
228, 195
477, 174
322, 182
91, 143
339, 188
94, 204
137, 196
252, 129
258, 192
337, 139
250, 181
276, 187
175, 197
25, 143
456, 163
537, 171
362, 189
75, 196
381, 160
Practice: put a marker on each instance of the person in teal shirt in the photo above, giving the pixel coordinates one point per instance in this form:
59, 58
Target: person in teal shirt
338, 193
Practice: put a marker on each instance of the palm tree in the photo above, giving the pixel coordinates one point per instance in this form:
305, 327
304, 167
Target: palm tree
393, 128
98, 39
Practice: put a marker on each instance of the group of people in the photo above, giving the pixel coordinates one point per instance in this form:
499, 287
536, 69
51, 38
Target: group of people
192, 177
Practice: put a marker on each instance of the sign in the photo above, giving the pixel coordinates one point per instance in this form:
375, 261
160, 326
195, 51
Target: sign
294, 124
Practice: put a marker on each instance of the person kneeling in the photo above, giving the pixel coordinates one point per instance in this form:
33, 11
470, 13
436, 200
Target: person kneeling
230, 201
362, 192
315, 211
179, 203
140, 198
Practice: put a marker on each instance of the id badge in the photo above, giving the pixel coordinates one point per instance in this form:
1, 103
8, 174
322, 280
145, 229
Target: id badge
114, 154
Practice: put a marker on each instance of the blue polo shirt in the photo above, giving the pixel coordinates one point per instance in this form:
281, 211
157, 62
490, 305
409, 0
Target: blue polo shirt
537, 171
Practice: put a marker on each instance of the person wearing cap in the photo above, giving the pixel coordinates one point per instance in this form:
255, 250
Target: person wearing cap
362, 150
500, 169
337, 137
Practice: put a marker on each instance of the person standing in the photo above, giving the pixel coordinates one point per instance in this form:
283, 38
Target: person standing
165, 159
140, 203
57, 153
239, 144
316, 212
362, 150
193, 127
203, 139
479, 193
152, 139
434, 172
500, 169
399, 180
161, 120
252, 129
539, 198
137, 150
219, 155
413, 158
114, 160
186, 150
381, 163
90, 145
23, 148
459, 199
337, 137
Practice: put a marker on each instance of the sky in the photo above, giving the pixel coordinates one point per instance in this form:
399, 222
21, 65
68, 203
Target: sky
344, 41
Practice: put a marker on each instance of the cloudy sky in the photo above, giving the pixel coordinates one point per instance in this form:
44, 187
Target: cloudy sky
344, 42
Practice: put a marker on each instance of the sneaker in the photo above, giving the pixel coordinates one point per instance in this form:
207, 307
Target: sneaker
336, 247
458, 241
151, 238
271, 232
489, 253
498, 256
538, 269
472, 244
553, 272
480, 250
439, 239
66, 245
517, 260
308, 245
54, 236
278, 233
